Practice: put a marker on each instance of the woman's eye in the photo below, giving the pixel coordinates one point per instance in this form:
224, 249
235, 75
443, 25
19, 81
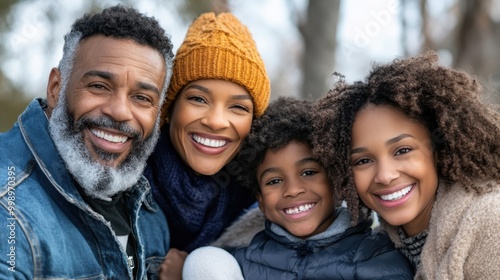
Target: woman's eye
197, 99
362, 161
403, 151
241, 107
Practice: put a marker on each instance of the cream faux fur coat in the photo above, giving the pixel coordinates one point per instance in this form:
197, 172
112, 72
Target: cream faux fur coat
464, 236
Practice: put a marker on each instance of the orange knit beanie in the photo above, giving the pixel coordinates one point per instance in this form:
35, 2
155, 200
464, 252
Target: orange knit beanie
220, 47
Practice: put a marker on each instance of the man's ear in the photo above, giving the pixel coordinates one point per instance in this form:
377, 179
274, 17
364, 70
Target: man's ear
53, 89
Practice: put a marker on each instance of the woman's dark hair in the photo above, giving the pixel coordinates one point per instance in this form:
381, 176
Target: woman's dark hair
465, 132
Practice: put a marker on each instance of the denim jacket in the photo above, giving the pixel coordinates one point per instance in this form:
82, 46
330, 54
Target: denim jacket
48, 231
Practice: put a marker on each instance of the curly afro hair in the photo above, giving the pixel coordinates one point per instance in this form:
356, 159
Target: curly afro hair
285, 120
464, 131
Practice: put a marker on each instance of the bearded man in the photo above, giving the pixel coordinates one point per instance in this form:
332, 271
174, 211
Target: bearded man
71, 191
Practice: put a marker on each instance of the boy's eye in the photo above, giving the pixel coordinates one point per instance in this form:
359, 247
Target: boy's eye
309, 173
274, 181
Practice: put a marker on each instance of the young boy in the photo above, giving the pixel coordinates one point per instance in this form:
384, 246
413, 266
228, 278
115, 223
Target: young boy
307, 235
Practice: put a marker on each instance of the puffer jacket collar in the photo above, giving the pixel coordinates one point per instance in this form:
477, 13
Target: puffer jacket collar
340, 228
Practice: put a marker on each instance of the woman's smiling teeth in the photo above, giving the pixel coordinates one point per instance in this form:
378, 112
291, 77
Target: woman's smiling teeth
397, 195
109, 137
209, 142
299, 209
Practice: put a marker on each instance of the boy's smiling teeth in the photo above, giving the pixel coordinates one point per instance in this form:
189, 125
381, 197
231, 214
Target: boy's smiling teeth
209, 142
299, 209
109, 137
397, 195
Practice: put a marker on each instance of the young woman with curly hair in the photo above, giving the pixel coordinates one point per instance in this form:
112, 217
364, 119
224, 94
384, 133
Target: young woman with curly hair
421, 150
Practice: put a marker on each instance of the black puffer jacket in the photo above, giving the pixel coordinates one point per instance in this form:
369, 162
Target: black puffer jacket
341, 252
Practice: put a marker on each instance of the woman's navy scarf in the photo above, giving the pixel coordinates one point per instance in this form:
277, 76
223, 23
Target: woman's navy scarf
198, 207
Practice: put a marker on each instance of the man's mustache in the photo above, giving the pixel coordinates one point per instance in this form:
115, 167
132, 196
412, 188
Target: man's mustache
107, 122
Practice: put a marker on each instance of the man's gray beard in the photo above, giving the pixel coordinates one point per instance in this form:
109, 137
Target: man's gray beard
98, 180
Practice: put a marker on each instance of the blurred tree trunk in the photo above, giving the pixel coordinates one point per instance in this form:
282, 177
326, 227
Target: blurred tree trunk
427, 43
477, 41
190, 9
404, 28
220, 6
473, 42
319, 32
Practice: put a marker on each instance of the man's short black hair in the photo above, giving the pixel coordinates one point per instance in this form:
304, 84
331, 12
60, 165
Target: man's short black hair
127, 23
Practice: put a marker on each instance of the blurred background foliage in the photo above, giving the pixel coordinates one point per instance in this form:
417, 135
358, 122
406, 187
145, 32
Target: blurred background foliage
466, 33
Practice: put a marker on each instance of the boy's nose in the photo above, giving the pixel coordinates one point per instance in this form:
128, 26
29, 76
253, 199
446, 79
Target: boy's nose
293, 189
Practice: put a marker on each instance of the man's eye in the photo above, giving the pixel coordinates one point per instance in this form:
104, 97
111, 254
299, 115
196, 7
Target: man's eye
97, 86
142, 98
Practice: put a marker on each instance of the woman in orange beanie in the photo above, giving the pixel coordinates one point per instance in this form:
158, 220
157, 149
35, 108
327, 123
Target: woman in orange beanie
219, 85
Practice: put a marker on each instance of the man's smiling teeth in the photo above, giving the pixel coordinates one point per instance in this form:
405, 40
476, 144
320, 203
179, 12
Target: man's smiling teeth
108, 137
300, 209
396, 195
209, 142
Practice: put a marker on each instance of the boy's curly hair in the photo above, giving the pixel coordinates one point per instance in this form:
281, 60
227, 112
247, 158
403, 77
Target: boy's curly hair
464, 131
285, 120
